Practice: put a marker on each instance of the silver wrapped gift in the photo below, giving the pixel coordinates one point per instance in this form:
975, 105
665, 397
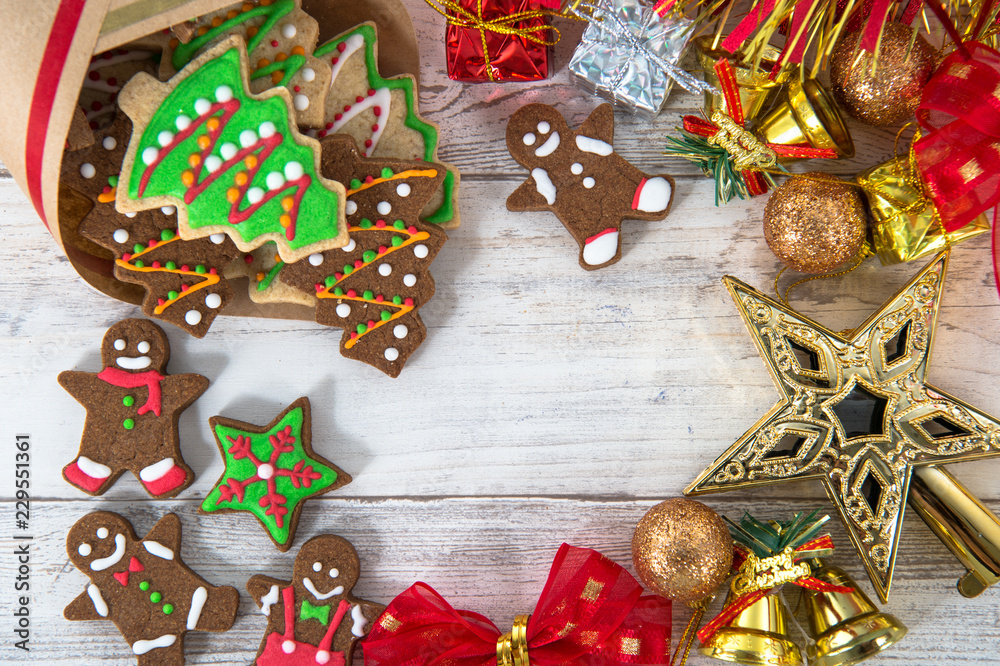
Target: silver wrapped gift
629, 55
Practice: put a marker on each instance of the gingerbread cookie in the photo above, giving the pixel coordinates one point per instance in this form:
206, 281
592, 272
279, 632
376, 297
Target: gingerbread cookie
183, 279
106, 75
314, 618
143, 586
231, 161
382, 114
280, 39
132, 411
578, 176
373, 286
271, 470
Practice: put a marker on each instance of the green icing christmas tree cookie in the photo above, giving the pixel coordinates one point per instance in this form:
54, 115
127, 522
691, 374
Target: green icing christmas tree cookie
271, 470
231, 161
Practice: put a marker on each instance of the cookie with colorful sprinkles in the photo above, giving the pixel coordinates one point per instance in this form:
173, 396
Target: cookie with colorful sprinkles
374, 286
271, 471
133, 407
314, 618
231, 161
143, 587
280, 40
382, 114
577, 175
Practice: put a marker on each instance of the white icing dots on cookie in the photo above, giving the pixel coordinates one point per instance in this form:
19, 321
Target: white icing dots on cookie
168, 210
143, 347
109, 143
351, 208
383, 208
87, 170
213, 162
266, 129
84, 549
588, 182
131, 215
182, 122
164, 138
403, 189
149, 155
120, 346
409, 279
217, 238
274, 180
317, 566
228, 150
223, 93
350, 246
120, 236
247, 138
288, 30
529, 139
192, 317
294, 171
308, 74
420, 251
301, 102
254, 195
213, 301
400, 331
544, 127
384, 270
102, 532
202, 106
343, 310
315, 259
576, 168
391, 353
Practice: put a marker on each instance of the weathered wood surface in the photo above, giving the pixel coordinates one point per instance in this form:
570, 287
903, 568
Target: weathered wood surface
547, 404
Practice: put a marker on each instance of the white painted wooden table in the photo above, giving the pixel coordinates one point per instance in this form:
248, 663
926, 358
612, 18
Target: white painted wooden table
548, 403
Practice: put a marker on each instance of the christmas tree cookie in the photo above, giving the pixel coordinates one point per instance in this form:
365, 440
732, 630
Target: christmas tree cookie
231, 161
373, 286
381, 114
271, 470
314, 618
577, 175
280, 39
143, 586
132, 411
183, 279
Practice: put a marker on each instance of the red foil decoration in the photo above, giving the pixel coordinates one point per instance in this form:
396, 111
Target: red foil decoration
591, 613
508, 57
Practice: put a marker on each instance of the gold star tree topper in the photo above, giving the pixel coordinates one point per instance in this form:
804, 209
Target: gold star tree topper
854, 412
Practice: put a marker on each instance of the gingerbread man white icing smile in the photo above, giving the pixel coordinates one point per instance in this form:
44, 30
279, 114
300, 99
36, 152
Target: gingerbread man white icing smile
578, 176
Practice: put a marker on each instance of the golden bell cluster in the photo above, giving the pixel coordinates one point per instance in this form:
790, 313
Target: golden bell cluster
905, 223
789, 110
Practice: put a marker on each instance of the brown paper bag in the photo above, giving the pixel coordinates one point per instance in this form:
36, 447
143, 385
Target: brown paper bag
53, 41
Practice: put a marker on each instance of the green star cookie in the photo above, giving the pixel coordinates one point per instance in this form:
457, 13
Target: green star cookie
271, 470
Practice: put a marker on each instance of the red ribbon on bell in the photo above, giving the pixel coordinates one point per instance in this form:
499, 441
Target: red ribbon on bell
591, 612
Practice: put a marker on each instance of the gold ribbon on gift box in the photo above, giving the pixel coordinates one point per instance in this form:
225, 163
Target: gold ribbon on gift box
906, 224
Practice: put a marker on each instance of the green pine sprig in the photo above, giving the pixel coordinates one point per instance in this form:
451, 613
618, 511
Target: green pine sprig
714, 162
767, 539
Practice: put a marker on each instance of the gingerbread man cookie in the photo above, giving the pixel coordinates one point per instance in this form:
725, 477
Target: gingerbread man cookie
314, 618
132, 412
143, 586
578, 176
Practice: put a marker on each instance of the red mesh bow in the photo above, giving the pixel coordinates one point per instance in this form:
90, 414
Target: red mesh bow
591, 612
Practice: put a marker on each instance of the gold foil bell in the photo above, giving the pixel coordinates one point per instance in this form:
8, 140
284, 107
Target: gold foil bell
756, 88
807, 114
906, 223
758, 635
512, 647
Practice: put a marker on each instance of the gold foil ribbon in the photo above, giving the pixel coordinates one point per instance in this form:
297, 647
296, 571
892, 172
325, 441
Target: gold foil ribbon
503, 25
769, 572
512, 647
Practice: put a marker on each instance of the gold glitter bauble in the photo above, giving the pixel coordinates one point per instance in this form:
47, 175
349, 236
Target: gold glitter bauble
682, 550
890, 95
815, 223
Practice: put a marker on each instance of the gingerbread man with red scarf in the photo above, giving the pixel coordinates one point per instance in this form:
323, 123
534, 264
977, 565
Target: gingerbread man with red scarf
132, 410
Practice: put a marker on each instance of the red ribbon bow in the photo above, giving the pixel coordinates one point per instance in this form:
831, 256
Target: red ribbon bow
591, 612
740, 604
730, 90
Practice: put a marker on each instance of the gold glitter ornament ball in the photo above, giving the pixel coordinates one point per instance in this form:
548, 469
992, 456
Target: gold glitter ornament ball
890, 95
815, 223
682, 550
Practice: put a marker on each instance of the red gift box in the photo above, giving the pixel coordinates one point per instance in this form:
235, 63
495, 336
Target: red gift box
499, 40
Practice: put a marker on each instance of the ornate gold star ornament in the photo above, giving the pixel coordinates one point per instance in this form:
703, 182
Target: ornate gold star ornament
854, 412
